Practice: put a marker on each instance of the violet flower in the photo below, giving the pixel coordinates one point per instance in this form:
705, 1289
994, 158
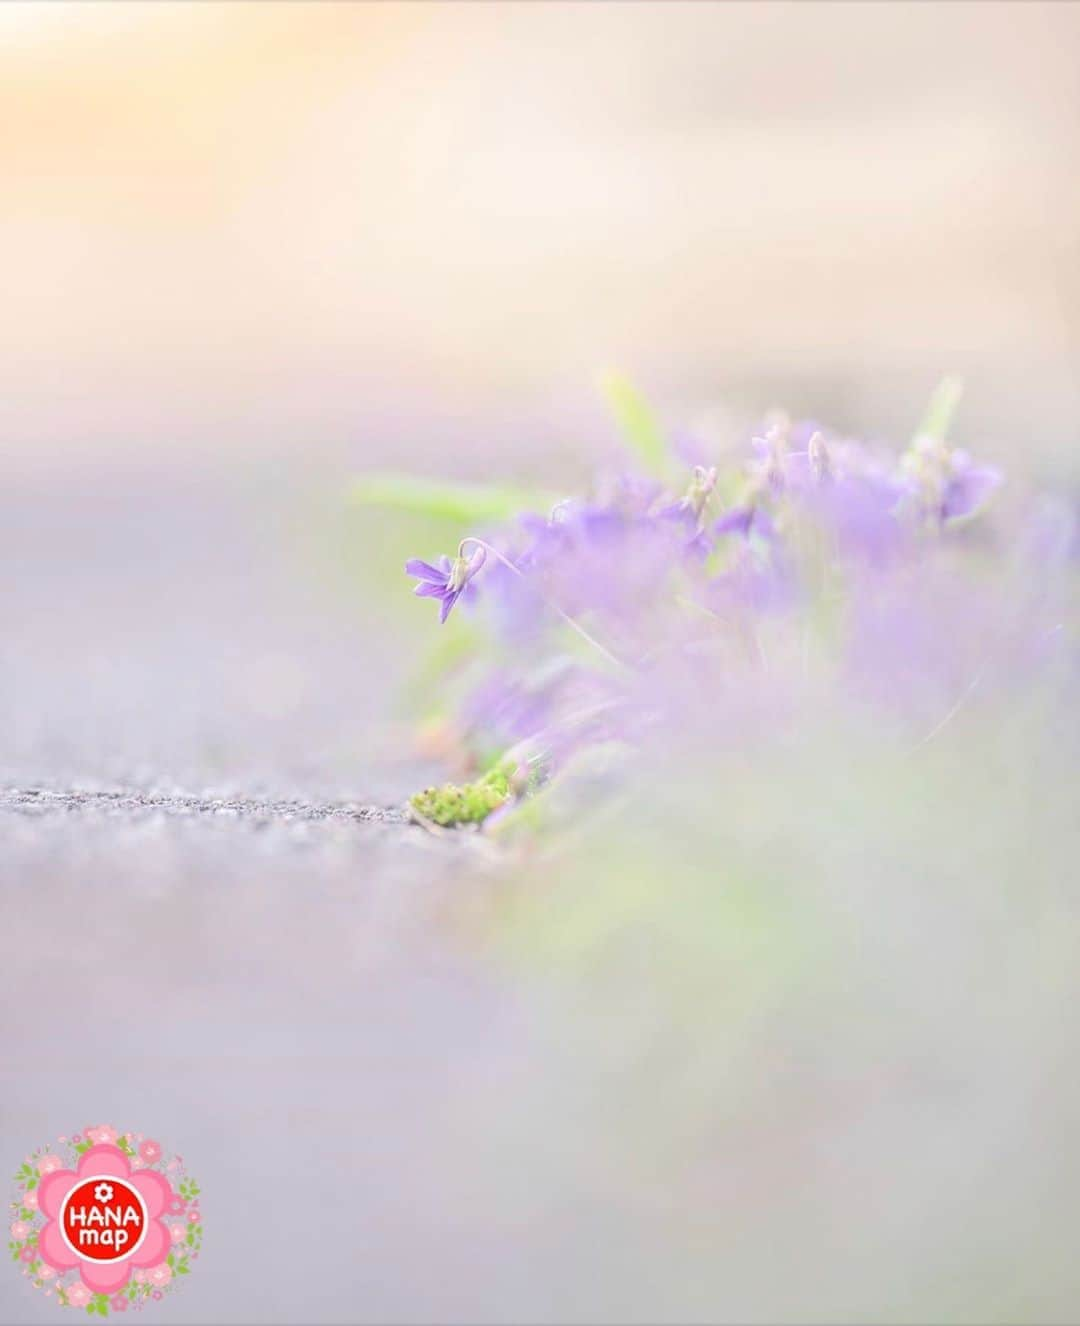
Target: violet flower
945, 484
746, 520
967, 487
690, 506
447, 581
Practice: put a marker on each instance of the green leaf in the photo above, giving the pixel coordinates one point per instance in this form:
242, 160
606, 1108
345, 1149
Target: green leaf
463, 502
938, 418
636, 422
171, 1259
183, 1270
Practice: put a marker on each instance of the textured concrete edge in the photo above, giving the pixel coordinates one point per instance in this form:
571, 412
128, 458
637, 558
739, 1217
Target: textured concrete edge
33, 801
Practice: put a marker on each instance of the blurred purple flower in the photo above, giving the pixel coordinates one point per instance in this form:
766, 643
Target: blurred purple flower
968, 487
820, 560
746, 520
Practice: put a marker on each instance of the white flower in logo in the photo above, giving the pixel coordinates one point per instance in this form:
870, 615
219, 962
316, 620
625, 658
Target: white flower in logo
103, 1192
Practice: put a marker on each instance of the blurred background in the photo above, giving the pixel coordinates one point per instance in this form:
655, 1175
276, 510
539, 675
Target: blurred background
249, 251
363, 232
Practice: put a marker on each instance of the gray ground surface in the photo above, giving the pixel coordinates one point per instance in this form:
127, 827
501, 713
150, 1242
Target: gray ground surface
218, 929
39, 802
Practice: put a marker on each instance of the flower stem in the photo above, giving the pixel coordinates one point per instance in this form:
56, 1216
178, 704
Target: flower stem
570, 621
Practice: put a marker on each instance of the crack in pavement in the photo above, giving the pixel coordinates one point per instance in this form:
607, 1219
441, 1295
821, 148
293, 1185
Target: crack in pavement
34, 801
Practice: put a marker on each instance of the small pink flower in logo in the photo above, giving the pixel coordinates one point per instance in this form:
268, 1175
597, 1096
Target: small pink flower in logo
102, 1135
46, 1272
157, 1295
118, 1303
150, 1152
159, 1276
139, 1277
107, 1277
193, 1216
29, 1200
49, 1164
78, 1295
177, 1233
27, 1254
177, 1204
19, 1230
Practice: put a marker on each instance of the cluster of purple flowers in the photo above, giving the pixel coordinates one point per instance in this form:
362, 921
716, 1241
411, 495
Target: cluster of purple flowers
649, 598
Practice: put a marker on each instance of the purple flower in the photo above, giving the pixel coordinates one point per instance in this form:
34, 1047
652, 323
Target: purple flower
690, 506
448, 580
813, 573
687, 512
746, 520
968, 487
945, 485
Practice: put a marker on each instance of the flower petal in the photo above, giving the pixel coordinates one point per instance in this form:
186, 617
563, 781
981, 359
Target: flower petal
106, 1277
52, 1248
968, 490
104, 1159
155, 1247
736, 521
426, 590
425, 571
476, 561
155, 1188
447, 603
52, 1190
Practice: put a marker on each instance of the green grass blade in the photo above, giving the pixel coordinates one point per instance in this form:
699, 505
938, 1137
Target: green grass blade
448, 500
636, 422
943, 404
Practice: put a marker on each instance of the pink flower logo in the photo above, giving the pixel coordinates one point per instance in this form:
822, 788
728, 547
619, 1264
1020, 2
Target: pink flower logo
100, 1162
104, 1220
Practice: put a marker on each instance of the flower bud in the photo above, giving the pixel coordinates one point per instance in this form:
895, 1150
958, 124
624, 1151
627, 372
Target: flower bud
820, 460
